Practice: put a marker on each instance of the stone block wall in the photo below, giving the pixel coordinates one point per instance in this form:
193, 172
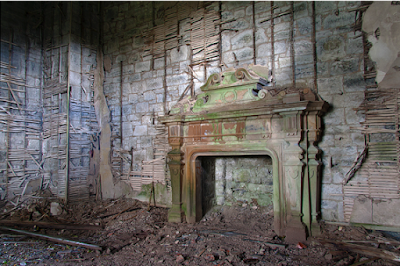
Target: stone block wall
150, 86
341, 83
244, 180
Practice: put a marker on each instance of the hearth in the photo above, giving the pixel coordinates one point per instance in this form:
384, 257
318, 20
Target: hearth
240, 115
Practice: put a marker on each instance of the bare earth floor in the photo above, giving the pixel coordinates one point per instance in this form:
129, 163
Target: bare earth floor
132, 235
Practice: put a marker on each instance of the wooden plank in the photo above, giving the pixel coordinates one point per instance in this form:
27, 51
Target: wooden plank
53, 239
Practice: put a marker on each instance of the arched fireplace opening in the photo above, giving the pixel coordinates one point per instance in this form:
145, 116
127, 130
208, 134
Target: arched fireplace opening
230, 180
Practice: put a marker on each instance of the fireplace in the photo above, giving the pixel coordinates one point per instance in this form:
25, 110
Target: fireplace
233, 180
238, 114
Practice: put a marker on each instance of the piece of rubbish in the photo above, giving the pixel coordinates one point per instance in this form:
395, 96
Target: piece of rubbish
364, 261
201, 253
251, 260
209, 257
301, 245
55, 209
179, 258
53, 239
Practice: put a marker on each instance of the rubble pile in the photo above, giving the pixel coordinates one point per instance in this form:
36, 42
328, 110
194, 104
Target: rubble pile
130, 232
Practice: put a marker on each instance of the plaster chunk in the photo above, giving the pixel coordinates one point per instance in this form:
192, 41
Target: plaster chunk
386, 212
385, 47
362, 210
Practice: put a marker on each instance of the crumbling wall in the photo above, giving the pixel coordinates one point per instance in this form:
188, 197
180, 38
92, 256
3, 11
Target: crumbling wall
318, 45
48, 124
21, 159
372, 196
71, 38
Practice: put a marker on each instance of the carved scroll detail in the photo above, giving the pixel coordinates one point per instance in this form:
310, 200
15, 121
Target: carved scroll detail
215, 79
262, 93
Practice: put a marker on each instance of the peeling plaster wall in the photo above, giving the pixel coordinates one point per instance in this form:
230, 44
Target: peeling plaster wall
110, 188
382, 24
340, 81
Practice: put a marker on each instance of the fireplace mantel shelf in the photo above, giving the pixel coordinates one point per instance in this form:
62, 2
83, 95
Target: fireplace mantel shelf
238, 114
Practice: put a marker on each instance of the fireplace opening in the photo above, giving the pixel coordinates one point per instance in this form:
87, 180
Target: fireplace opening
233, 180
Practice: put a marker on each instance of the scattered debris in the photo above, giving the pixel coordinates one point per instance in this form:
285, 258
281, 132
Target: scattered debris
366, 250
51, 225
180, 258
53, 239
55, 209
271, 245
125, 231
301, 245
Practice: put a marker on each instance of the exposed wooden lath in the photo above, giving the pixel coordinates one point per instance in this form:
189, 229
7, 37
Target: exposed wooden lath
154, 170
21, 162
184, 24
379, 176
204, 37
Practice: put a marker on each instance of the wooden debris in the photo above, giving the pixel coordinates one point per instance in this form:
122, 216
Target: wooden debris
53, 239
152, 193
52, 225
364, 262
365, 250
271, 245
130, 208
200, 253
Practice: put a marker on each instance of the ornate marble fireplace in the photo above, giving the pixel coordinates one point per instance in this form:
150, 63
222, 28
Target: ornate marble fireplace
238, 114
